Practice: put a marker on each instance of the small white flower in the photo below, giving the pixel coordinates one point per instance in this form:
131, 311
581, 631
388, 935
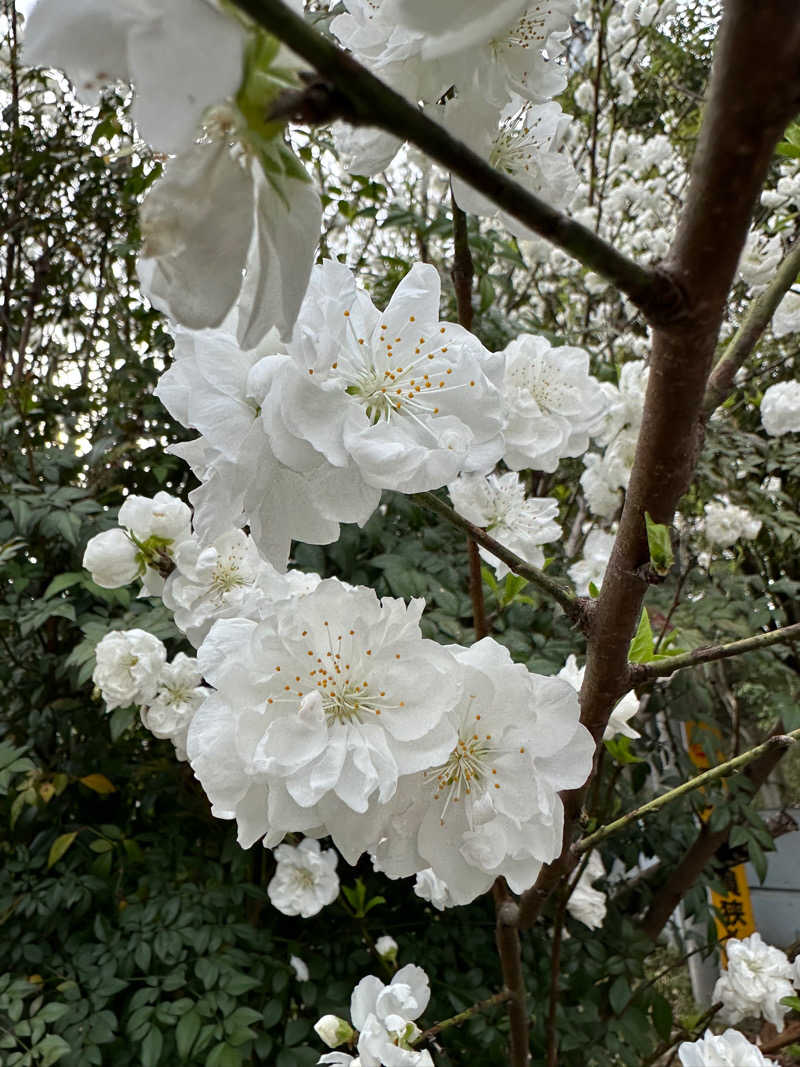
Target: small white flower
729, 1049
430, 887
757, 978
112, 559
786, 319
129, 666
384, 1016
302, 974
553, 405
624, 710
780, 408
498, 504
180, 693
726, 523
591, 569
305, 879
587, 904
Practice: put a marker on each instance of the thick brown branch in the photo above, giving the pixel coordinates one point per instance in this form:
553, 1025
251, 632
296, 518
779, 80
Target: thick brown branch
510, 952
362, 99
748, 107
648, 672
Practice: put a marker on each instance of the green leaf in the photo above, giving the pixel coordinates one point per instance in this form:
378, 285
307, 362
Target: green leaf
619, 994
660, 544
641, 650
758, 859
186, 1031
61, 582
619, 748
51, 1049
272, 1014
662, 1016
792, 1002
59, 847
151, 1047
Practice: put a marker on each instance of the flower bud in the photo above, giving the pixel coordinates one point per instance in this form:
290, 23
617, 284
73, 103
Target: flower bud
334, 1031
386, 947
111, 558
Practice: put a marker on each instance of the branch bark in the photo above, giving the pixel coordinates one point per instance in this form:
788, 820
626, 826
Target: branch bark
702, 850
722, 770
640, 673
749, 104
350, 92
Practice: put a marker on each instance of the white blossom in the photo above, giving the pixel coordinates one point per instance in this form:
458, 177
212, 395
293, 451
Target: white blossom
553, 405
428, 886
112, 559
591, 569
300, 968
587, 904
305, 878
219, 234
408, 400
623, 711
129, 666
491, 807
780, 408
524, 147
318, 711
757, 978
498, 504
214, 386
163, 516
729, 1049
160, 46
385, 1014
786, 319
179, 695
726, 523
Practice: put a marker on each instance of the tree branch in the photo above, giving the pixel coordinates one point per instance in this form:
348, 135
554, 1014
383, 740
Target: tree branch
578, 609
462, 1016
640, 673
758, 317
354, 94
703, 849
722, 770
749, 104
510, 952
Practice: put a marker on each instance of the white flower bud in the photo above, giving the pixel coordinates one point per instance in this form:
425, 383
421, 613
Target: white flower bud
386, 947
333, 1030
300, 969
110, 557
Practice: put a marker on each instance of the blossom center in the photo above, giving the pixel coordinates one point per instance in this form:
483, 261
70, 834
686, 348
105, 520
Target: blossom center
468, 769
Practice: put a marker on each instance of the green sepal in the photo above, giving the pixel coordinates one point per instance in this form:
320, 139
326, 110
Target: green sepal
659, 543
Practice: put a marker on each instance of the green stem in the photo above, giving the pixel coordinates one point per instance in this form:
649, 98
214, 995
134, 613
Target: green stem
722, 770
457, 1020
360, 98
758, 317
640, 673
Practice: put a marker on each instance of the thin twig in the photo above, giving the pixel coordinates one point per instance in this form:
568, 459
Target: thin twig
722, 770
648, 672
578, 609
758, 317
354, 94
510, 952
462, 1016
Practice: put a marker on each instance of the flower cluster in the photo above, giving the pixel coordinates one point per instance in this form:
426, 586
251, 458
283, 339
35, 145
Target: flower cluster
384, 1017
729, 1049
756, 980
727, 523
